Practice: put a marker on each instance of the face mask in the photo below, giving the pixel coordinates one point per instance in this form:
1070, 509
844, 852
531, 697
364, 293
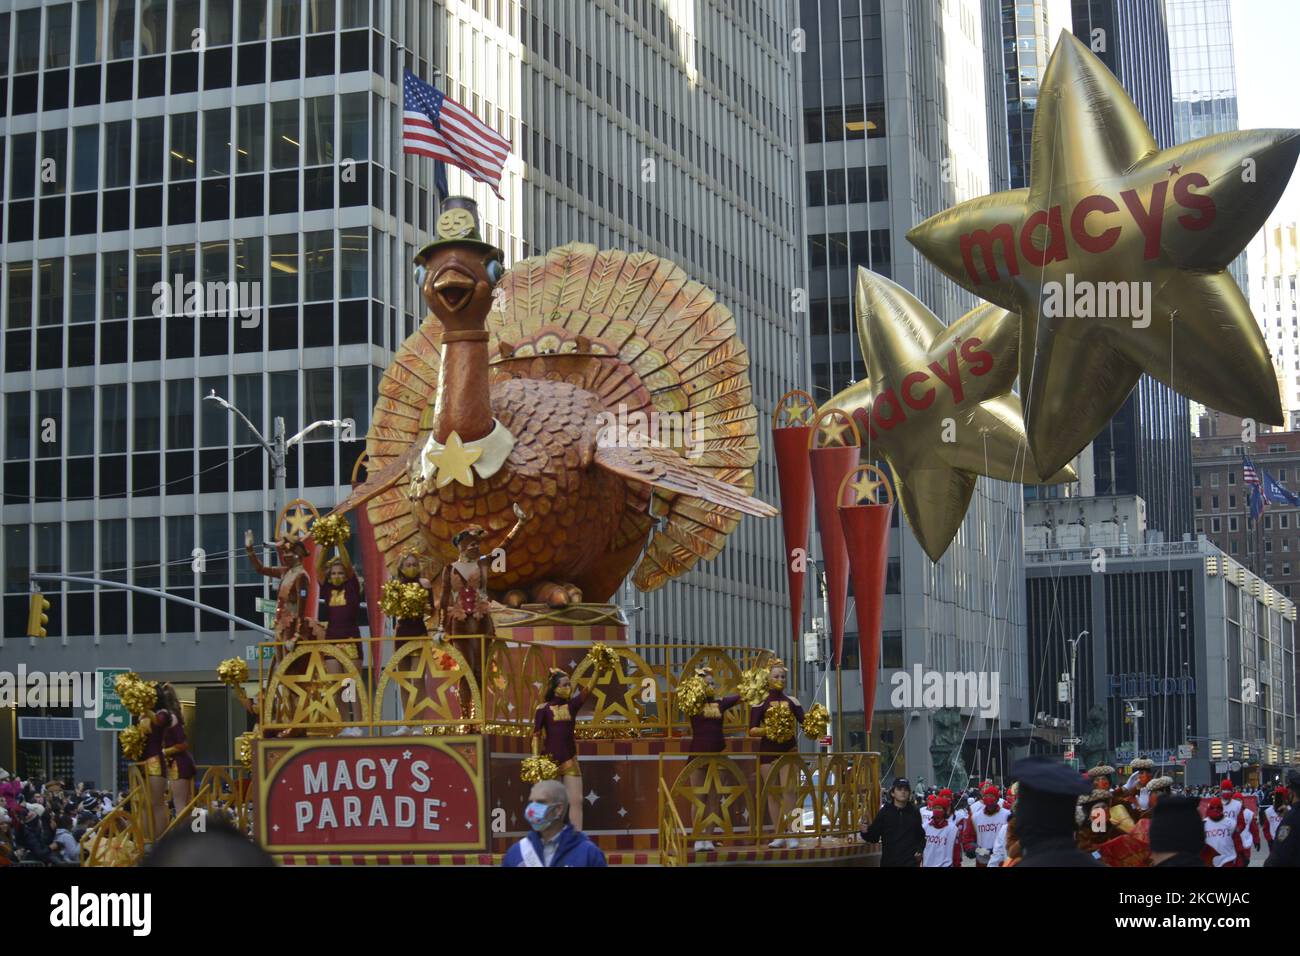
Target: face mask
410, 572
538, 815
564, 692
776, 683
337, 577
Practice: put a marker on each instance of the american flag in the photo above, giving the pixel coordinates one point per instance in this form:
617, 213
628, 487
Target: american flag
435, 125
1248, 473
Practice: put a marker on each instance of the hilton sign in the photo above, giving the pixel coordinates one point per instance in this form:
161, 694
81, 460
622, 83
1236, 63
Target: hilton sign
1148, 685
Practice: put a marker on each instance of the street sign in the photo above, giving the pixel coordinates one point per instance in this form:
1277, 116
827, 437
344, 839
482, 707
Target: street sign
812, 647
1069, 755
825, 741
113, 715
266, 607
250, 653
1186, 751
1063, 691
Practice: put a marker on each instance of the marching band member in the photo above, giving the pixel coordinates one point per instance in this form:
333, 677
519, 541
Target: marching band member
340, 594
942, 844
1101, 777
1220, 835
770, 750
706, 738
553, 729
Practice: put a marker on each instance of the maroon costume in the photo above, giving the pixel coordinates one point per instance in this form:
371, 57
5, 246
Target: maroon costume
341, 604
182, 763
152, 757
414, 626
554, 720
706, 726
770, 749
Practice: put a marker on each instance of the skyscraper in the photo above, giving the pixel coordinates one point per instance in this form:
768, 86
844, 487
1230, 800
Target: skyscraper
1146, 447
266, 147
1203, 78
890, 139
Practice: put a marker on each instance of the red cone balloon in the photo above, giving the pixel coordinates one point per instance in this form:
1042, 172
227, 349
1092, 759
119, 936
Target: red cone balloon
794, 479
829, 468
866, 536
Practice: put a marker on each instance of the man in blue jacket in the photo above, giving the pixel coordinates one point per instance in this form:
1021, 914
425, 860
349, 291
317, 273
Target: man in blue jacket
552, 841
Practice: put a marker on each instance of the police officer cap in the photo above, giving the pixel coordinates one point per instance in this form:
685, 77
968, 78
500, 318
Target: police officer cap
1047, 775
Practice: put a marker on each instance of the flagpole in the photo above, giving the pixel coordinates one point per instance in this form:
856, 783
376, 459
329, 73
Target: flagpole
438, 197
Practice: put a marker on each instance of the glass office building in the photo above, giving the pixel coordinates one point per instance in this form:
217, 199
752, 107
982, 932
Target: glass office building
259, 142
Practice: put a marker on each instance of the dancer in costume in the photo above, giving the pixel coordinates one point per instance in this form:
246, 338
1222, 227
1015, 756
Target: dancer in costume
707, 738
154, 727
176, 750
465, 609
340, 594
1135, 792
412, 630
553, 730
770, 749
291, 592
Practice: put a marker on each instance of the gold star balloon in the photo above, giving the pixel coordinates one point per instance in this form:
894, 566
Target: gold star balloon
937, 404
1114, 258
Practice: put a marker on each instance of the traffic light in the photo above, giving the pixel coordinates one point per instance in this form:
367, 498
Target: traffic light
38, 615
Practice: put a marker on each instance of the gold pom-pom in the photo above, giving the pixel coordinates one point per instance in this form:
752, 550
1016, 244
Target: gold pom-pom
753, 686
132, 740
538, 768
816, 720
602, 657
691, 695
778, 724
244, 749
138, 696
232, 671
403, 599
331, 530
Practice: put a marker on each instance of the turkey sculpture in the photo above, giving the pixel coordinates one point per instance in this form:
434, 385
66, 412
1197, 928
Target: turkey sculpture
535, 392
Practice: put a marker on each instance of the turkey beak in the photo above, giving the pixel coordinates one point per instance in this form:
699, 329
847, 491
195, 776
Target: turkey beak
454, 288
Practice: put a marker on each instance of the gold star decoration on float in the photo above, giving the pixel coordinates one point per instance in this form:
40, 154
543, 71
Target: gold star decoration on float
296, 521
1115, 257
797, 411
454, 462
315, 692
936, 404
409, 670
719, 778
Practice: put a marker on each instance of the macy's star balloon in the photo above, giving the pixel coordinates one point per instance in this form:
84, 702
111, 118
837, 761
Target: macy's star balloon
937, 404
1114, 258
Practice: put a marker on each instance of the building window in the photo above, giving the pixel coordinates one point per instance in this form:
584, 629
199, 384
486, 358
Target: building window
1214, 502
1233, 549
891, 647
1198, 502
1196, 479
1232, 524
1232, 477
1214, 480
1268, 522
1284, 520
1214, 526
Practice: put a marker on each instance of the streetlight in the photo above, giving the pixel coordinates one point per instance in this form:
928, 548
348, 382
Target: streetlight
278, 447
1074, 659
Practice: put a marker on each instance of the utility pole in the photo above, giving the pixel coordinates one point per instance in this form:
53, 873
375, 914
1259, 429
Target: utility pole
278, 448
